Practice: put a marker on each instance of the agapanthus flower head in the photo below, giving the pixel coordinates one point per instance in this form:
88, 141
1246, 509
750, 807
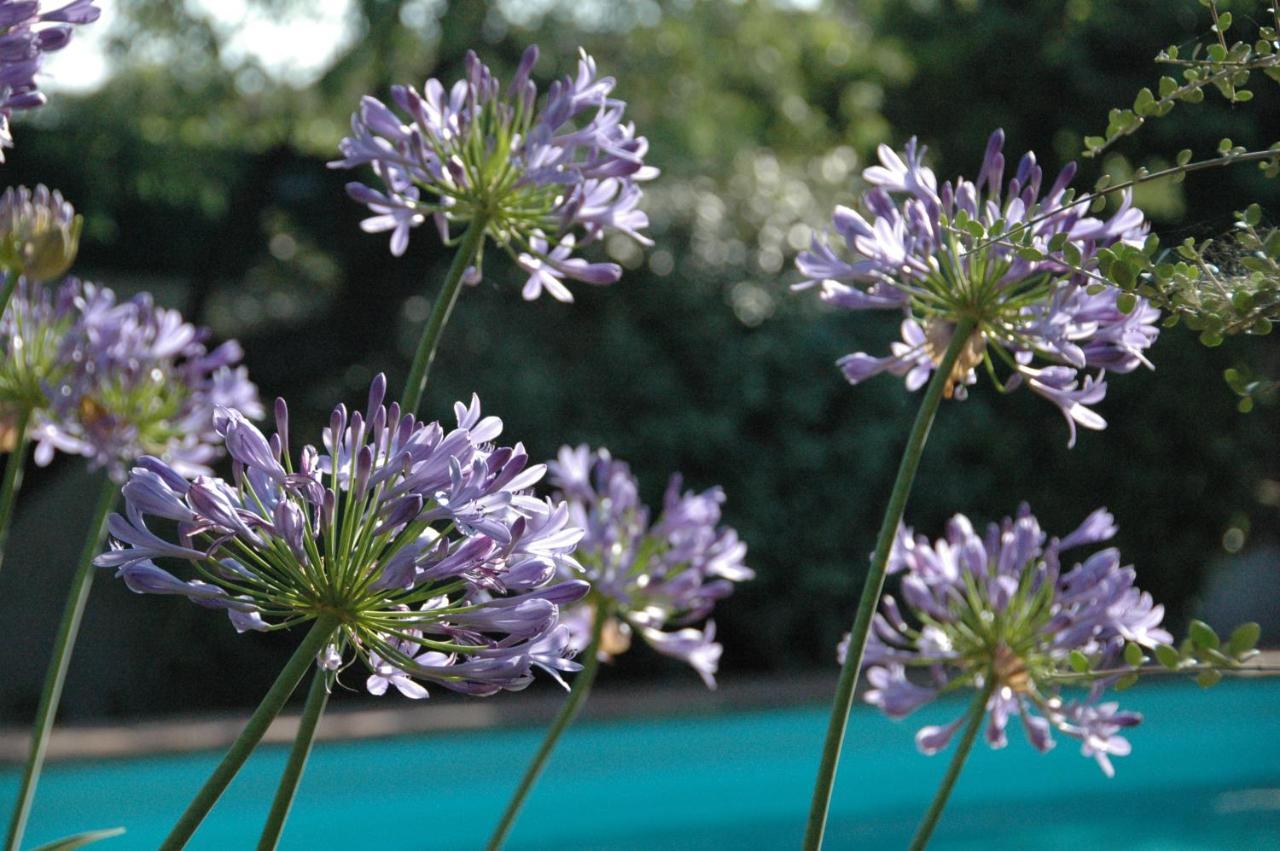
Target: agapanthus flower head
39, 232
424, 543
998, 611
34, 330
1016, 259
28, 30
119, 380
544, 177
659, 578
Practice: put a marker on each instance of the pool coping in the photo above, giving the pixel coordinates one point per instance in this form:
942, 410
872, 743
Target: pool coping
443, 712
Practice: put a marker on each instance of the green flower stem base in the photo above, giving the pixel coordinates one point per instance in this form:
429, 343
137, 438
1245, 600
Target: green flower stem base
12, 476
874, 585
317, 699
577, 697
303, 658
64, 643
977, 711
471, 245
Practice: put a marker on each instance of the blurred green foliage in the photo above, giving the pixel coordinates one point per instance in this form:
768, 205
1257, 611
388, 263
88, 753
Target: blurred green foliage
204, 180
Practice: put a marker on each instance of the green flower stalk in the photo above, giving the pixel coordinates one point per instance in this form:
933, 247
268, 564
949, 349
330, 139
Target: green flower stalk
110, 381
985, 274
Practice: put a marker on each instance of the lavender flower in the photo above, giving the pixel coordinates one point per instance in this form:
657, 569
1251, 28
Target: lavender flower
659, 578
1018, 262
27, 32
39, 232
542, 179
113, 381
999, 606
426, 543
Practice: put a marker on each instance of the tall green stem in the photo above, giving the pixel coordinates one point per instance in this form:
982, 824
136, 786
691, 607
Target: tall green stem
317, 699
471, 245
577, 696
977, 711
12, 476
303, 658
468, 251
63, 644
874, 585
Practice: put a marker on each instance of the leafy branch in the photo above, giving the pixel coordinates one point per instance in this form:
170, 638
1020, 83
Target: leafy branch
1218, 65
1202, 654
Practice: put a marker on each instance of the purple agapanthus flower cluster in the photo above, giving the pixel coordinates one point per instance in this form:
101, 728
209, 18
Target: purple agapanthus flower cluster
997, 611
1019, 261
120, 380
34, 330
426, 544
27, 32
39, 232
661, 578
542, 179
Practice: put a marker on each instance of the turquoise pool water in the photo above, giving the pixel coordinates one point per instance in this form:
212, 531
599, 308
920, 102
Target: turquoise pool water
1204, 774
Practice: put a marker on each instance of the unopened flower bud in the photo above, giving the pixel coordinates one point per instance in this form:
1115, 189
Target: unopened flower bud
39, 232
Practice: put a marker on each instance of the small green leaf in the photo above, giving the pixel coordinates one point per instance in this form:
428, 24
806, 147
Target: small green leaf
1167, 86
1184, 156
1079, 662
1071, 253
1209, 678
1133, 655
1145, 102
1211, 339
1242, 301
1124, 276
1252, 215
1242, 96
1168, 657
1272, 243
1243, 638
1125, 682
1218, 659
1126, 302
1203, 636
1224, 22
80, 840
